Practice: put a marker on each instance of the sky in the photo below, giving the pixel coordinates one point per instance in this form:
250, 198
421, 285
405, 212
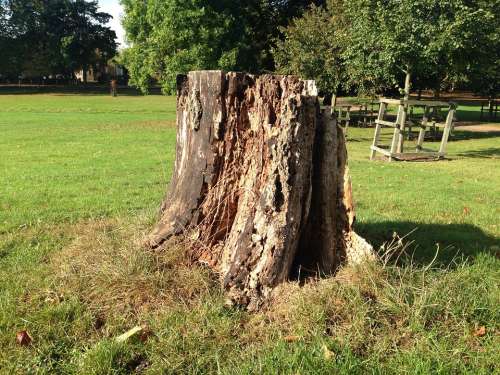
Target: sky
114, 8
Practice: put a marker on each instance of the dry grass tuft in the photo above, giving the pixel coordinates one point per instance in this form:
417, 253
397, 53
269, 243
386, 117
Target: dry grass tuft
375, 308
367, 305
107, 267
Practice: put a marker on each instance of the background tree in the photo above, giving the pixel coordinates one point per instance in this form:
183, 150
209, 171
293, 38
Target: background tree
483, 74
3, 18
18, 21
52, 37
174, 36
89, 41
311, 47
391, 40
375, 46
40, 37
5, 39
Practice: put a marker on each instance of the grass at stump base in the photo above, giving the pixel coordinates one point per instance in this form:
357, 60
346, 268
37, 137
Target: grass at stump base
372, 315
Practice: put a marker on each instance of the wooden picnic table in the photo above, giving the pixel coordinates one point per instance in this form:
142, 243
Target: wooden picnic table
344, 114
368, 112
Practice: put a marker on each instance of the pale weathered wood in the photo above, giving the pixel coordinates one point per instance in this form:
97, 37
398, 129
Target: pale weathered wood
407, 87
416, 103
446, 131
402, 124
429, 103
391, 101
376, 137
439, 124
343, 115
423, 128
418, 156
334, 100
397, 131
261, 187
387, 123
381, 150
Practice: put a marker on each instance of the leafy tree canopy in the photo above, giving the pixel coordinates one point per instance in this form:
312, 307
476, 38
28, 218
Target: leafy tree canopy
370, 45
483, 69
311, 46
42, 37
168, 37
436, 41
89, 41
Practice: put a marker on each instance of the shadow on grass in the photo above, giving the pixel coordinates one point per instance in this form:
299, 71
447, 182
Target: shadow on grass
458, 135
462, 240
466, 135
360, 139
485, 153
74, 90
473, 113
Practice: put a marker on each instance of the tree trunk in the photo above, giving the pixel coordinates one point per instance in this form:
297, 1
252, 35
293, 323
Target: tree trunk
261, 186
437, 93
407, 88
434, 115
84, 74
327, 99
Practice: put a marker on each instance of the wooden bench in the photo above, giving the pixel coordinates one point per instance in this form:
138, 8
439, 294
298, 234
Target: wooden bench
401, 125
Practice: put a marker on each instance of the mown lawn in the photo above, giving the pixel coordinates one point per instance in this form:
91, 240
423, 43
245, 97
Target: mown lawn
81, 177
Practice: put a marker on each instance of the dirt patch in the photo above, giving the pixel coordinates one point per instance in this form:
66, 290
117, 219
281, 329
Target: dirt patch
478, 127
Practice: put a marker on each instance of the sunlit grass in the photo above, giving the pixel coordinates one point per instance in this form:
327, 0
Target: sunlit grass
81, 177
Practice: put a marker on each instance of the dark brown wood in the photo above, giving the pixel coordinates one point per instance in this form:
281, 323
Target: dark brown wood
261, 186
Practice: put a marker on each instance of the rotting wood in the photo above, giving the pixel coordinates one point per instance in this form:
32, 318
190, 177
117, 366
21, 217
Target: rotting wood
261, 185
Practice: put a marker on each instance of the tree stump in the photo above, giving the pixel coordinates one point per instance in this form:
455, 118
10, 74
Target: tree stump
261, 185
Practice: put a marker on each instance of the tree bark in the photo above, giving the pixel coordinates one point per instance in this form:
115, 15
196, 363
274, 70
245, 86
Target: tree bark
84, 73
261, 186
407, 88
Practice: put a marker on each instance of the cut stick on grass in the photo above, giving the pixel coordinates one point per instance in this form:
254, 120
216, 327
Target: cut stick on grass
125, 336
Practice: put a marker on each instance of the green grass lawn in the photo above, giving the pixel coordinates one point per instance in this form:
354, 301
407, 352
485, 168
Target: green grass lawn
81, 177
